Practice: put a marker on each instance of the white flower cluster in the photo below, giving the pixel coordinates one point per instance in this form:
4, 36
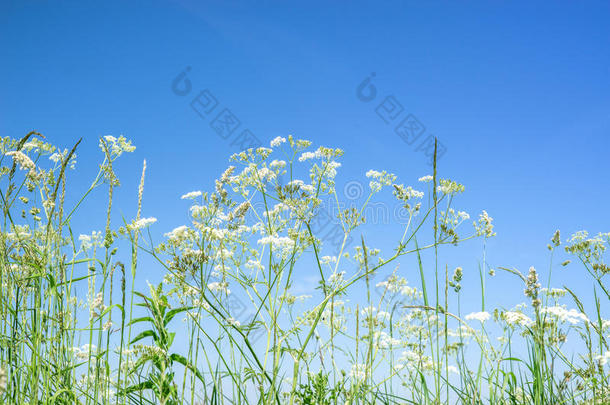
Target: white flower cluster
358, 372
82, 353
516, 318
89, 241
141, 223
447, 186
484, 226
603, 359
116, 145
281, 244
191, 195
478, 316
385, 341
178, 234
395, 284
563, 315
219, 286
377, 315
277, 141
379, 179
24, 162
310, 155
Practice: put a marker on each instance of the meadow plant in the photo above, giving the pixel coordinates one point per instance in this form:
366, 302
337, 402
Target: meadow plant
226, 321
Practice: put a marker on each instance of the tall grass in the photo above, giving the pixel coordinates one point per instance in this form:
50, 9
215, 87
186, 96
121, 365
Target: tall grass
225, 324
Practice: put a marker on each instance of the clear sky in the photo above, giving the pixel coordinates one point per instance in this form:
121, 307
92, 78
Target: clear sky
517, 92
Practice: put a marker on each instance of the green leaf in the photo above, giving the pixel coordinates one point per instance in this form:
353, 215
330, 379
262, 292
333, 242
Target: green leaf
142, 319
144, 334
171, 314
182, 360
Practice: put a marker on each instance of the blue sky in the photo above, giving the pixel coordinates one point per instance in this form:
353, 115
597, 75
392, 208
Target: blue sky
518, 93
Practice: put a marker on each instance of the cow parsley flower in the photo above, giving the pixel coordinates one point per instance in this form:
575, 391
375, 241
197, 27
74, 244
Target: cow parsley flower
358, 372
191, 195
277, 141
309, 155
478, 316
602, 359
516, 318
141, 223
563, 315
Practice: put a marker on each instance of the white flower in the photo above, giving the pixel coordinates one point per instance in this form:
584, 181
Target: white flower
55, 157
277, 141
358, 371
24, 162
277, 164
309, 155
602, 359
572, 316
233, 322
89, 241
192, 194
116, 146
515, 318
141, 223
380, 179
479, 316
178, 234
283, 244
449, 187
219, 286
425, 179
385, 341
82, 353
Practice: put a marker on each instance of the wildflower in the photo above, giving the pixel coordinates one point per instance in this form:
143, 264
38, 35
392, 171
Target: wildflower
484, 226
283, 244
277, 141
328, 259
405, 194
116, 146
191, 195
233, 322
178, 234
425, 179
479, 316
219, 286
447, 186
82, 353
308, 155
24, 162
89, 241
380, 179
554, 292
602, 359
96, 306
453, 369
563, 315
385, 341
277, 164
358, 371
141, 223
336, 277
515, 318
